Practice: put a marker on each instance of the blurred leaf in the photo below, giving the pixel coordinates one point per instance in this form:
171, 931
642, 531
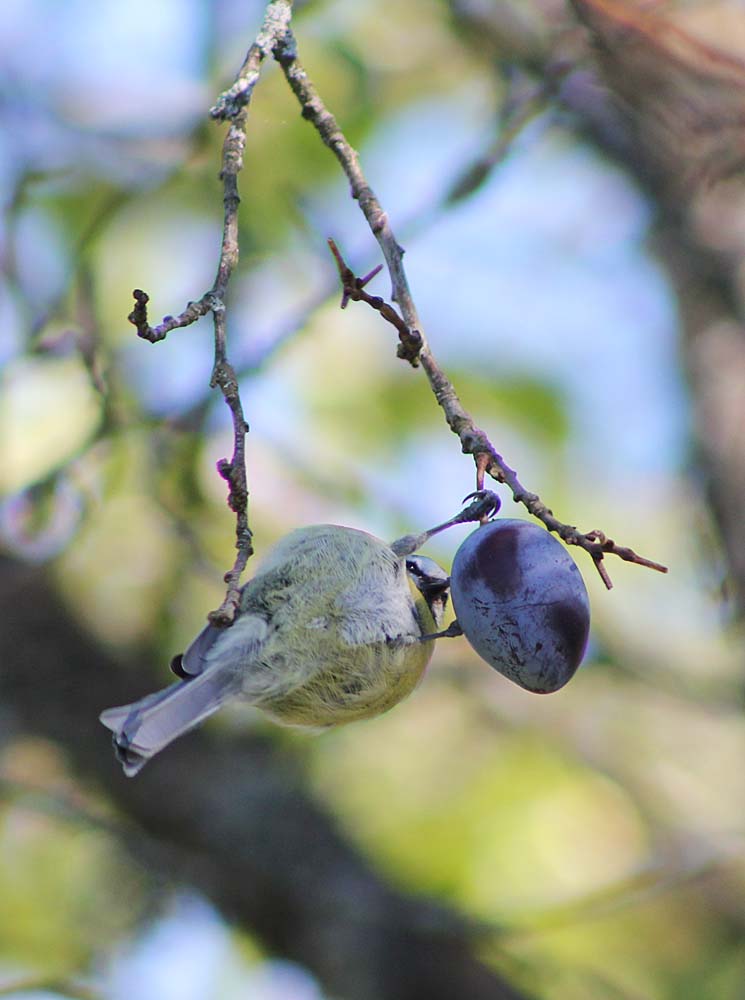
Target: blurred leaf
399, 406
48, 411
65, 887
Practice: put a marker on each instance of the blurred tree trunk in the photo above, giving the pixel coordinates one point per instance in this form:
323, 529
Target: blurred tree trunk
681, 95
660, 89
234, 819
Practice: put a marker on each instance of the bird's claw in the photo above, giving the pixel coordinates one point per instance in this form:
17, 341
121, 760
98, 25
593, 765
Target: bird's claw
451, 632
485, 505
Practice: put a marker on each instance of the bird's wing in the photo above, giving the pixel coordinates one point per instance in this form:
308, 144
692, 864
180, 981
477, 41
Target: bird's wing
194, 660
239, 643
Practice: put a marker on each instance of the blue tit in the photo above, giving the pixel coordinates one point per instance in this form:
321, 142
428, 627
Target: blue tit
329, 630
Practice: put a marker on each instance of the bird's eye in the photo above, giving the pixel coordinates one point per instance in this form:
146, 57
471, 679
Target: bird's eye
411, 566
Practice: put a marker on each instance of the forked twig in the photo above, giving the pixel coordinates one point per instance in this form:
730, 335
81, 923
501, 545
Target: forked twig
232, 105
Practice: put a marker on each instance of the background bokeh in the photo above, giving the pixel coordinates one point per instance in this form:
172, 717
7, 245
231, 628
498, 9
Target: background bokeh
594, 837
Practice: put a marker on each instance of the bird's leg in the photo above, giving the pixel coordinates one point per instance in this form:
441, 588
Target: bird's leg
451, 632
483, 506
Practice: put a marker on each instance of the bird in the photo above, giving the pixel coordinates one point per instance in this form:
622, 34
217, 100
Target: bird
335, 626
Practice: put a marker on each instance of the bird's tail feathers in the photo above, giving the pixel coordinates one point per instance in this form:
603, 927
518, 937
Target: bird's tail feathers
145, 727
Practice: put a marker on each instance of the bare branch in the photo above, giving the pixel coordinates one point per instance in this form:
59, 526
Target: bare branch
353, 289
139, 318
234, 473
473, 440
235, 99
313, 108
232, 105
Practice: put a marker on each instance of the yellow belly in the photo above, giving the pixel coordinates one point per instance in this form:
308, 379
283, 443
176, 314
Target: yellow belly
365, 683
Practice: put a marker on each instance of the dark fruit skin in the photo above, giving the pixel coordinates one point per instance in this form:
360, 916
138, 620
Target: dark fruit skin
522, 603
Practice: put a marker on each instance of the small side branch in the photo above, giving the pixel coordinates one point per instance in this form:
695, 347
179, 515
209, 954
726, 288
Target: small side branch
410, 341
139, 318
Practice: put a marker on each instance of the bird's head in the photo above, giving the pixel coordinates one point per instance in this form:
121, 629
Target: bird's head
432, 582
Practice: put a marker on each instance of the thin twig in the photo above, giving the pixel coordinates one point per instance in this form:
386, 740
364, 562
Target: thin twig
315, 111
473, 440
138, 317
232, 106
353, 289
275, 25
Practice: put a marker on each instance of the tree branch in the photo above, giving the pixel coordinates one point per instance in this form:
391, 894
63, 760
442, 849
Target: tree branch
315, 111
413, 342
232, 106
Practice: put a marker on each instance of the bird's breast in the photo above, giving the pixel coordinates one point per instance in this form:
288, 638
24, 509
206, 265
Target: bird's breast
345, 683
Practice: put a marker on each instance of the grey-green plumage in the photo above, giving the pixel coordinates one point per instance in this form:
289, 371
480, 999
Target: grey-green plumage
328, 632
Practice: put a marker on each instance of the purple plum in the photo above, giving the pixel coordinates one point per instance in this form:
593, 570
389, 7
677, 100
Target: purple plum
522, 603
